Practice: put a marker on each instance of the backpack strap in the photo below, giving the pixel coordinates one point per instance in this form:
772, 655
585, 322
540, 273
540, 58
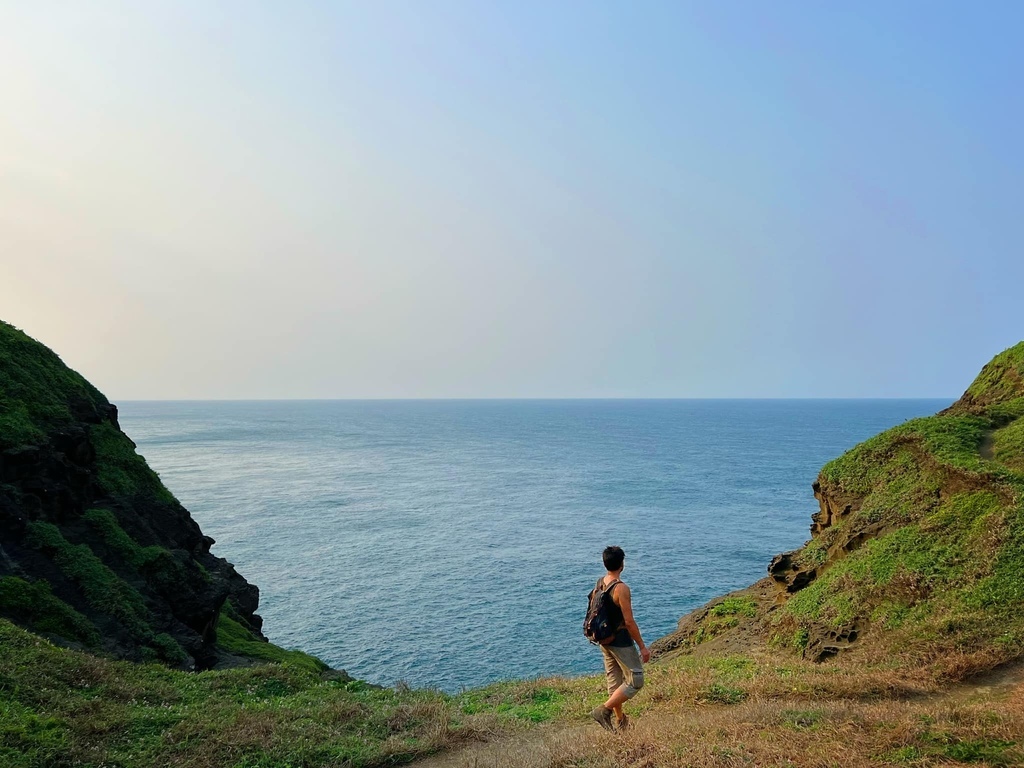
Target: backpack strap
604, 590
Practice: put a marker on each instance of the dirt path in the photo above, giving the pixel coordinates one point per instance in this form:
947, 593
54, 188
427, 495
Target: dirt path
541, 747
534, 747
991, 686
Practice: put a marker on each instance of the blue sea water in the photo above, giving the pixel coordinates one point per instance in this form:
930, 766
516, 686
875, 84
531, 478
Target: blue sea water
453, 543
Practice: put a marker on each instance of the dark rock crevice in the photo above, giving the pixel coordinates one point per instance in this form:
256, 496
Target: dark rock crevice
182, 586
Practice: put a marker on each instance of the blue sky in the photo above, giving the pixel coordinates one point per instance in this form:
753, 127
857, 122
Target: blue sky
468, 199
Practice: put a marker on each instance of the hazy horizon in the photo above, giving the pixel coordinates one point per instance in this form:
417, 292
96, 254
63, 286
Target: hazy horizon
460, 200
501, 399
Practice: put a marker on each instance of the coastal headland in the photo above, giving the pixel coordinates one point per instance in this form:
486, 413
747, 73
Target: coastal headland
894, 636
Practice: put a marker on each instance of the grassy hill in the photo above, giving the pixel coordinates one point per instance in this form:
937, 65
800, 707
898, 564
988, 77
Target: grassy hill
917, 552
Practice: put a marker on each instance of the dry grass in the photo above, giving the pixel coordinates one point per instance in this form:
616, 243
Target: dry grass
763, 731
782, 713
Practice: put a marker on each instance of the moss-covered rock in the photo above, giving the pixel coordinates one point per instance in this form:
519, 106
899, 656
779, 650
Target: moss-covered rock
38, 393
94, 550
36, 607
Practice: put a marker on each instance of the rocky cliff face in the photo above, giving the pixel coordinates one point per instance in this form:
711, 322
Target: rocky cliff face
94, 551
917, 547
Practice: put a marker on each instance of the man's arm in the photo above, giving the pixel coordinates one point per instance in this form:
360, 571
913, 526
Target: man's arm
624, 600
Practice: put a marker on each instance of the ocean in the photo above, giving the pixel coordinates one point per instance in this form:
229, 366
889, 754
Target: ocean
453, 543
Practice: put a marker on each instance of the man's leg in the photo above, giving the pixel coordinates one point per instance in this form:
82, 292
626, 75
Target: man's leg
614, 675
631, 672
613, 672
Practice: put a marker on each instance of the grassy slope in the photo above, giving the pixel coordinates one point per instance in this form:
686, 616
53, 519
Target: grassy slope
62, 708
36, 389
944, 581
40, 395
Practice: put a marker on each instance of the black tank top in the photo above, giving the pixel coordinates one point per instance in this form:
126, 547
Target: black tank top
622, 638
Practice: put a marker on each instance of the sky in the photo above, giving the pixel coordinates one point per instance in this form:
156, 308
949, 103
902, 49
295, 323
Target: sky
237, 200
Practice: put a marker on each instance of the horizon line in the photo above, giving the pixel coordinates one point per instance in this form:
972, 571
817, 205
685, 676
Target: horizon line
504, 399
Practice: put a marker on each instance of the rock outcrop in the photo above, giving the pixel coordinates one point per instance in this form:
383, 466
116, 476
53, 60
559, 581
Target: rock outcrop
94, 551
917, 546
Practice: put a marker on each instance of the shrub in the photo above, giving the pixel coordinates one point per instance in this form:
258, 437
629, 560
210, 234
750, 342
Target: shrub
168, 649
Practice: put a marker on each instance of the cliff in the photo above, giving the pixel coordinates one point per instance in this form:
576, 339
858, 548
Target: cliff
916, 550
94, 551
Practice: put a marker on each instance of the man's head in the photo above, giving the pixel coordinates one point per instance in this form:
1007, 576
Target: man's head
613, 558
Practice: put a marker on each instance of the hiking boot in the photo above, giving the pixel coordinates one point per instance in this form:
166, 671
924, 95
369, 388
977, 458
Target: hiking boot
622, 723
603, 716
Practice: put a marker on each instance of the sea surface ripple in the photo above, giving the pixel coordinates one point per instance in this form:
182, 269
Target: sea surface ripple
453, 543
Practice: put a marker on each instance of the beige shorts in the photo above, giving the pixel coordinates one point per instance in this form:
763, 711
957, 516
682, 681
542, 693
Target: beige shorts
623, 669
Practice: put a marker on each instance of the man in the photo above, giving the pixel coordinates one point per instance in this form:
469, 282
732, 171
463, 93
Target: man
622, 664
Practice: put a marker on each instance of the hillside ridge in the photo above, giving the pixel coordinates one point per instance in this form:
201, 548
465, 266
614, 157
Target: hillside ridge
95, 552
916, 550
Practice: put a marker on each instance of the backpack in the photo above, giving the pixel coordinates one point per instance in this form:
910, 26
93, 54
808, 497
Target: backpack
597, 626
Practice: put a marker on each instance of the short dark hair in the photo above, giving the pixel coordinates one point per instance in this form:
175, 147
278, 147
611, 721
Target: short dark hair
613, 557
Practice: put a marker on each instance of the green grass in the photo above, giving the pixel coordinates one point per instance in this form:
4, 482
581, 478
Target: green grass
889, 574
104, 590
954, 579
60, 708
124, 545
802, 719
1005, 411
815, 553
233, 637
536, 703
36, 607
953, 440
942, 744
732, 667
122, 472
939, 566
719, 693
1002, 379
166, 648
37, 390
949, 440
907, 754
1001, 593
723, 616
735, 606
1008, 445
156, 564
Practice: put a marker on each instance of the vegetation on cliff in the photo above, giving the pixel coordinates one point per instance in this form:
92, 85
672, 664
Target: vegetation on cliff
38, 393
94, 551
917, 551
